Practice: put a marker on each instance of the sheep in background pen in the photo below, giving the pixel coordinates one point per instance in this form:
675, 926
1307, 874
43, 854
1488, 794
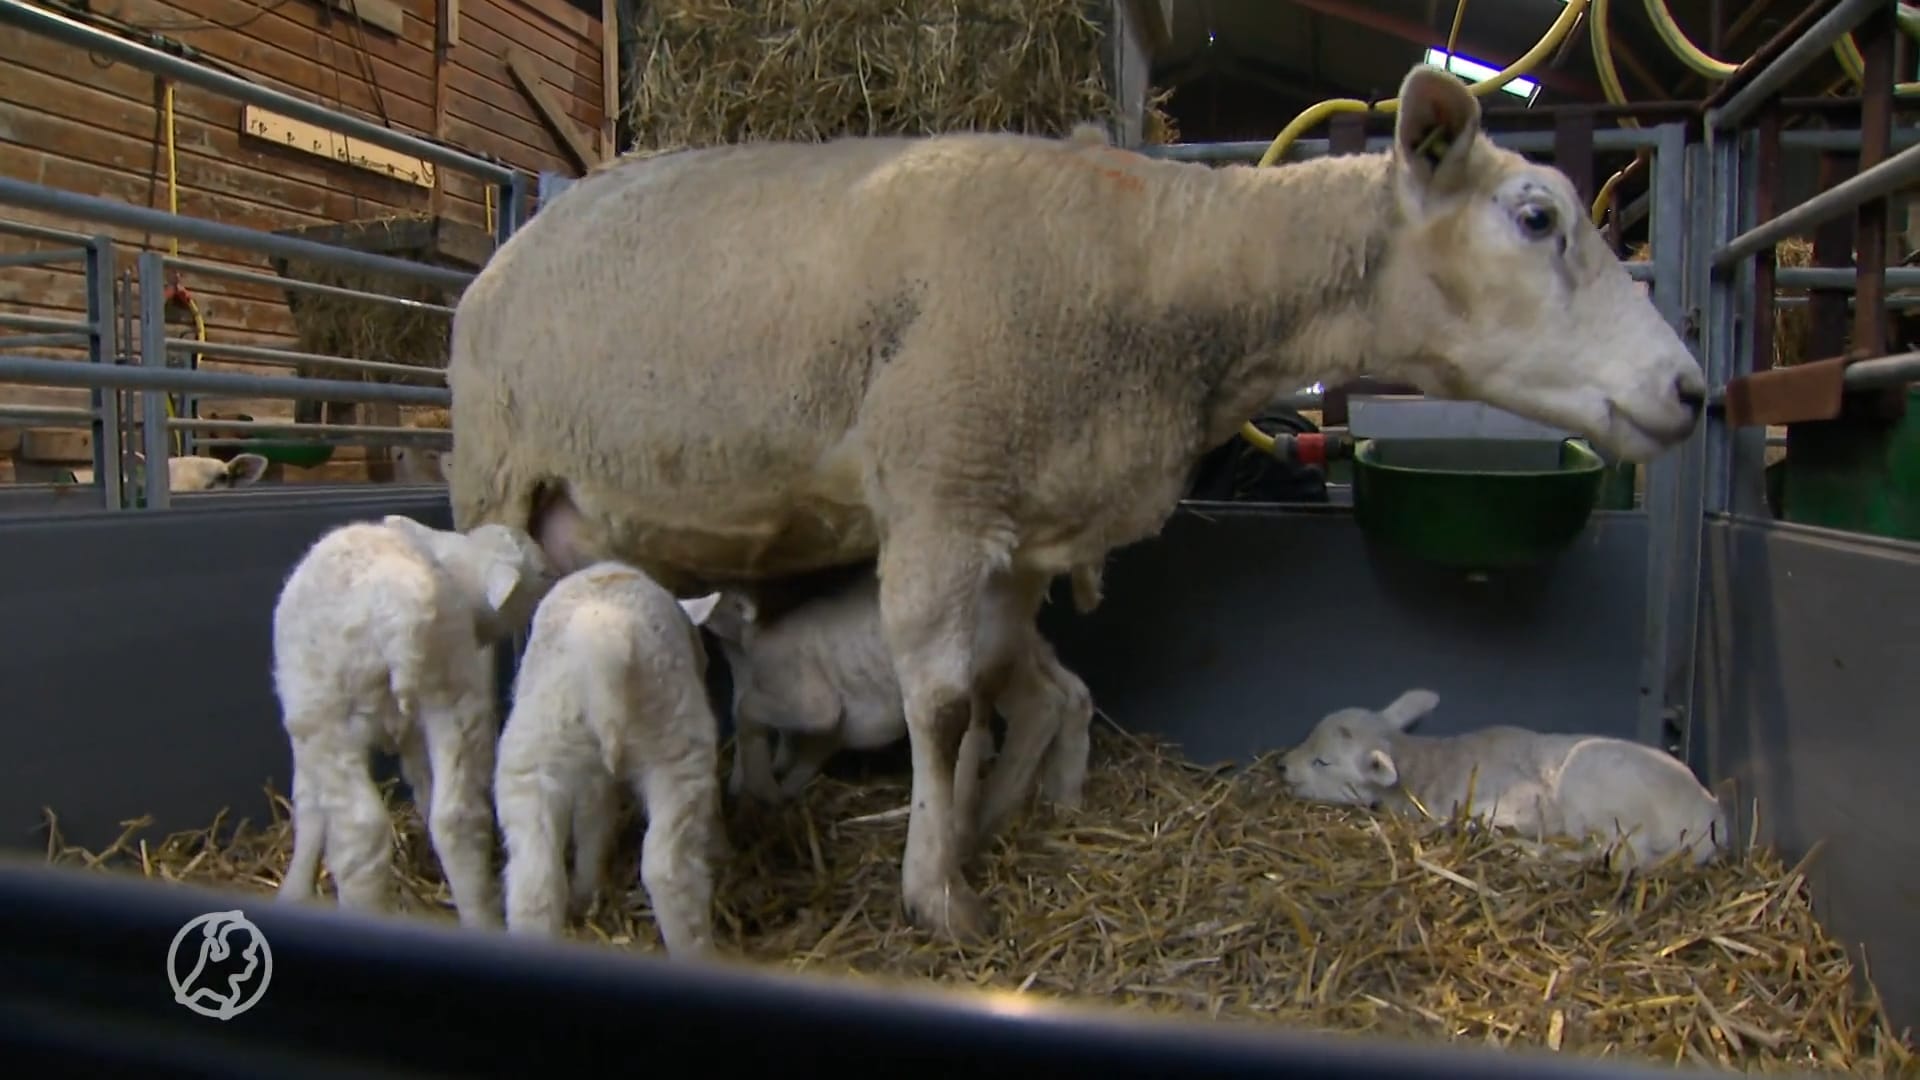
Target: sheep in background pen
382, 639
193, 472
611, 688
417, 463
1638, 802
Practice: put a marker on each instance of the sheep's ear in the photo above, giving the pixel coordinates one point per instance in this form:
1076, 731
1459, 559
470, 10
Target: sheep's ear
503, 580
700, 609
407, 525
1378, 768
1434, 133
1410, 707
246, 468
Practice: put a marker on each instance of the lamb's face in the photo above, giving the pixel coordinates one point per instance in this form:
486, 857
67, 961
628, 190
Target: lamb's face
1345, 760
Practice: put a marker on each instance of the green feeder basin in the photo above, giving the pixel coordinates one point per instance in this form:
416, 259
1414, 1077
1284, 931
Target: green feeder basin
1475, 504
299, 453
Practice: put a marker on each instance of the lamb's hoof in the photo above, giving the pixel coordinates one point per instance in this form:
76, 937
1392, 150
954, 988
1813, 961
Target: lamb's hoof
956, 913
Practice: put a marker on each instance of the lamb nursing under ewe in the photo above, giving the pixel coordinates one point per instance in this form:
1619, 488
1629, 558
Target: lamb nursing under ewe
820, 674
381, 641
985, 359
1638, 803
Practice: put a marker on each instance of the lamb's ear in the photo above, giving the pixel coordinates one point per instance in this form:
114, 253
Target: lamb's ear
1410, 707
246, 468
1434, 133
1378, 768
503, 579
700, 609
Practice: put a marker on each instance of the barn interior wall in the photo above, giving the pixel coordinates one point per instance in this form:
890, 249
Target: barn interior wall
82, 124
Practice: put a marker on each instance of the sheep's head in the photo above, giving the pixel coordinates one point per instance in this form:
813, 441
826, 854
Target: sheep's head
421, 464
503, 570
1501, 289
1348, 757
195, 473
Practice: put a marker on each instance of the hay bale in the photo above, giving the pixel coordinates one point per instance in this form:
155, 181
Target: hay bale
1191, 890
714, 71
362, 330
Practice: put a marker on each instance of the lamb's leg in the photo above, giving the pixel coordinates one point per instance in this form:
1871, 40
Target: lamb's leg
595, 813
359, 838
752, 765
417, 770
309, 829
810, 754
683, 816
934, 586
974, 747
461, 748
783, 753
1064, 774
1043, 718
534, 808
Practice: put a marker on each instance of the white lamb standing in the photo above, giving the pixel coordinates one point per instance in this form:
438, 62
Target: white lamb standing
822, 676
611, 688
382, 639
1639, 803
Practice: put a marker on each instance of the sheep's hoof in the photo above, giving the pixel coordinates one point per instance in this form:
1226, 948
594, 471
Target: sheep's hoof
956, 913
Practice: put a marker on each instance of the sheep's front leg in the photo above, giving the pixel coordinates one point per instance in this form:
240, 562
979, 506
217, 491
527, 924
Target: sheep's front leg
932, 584
461, 749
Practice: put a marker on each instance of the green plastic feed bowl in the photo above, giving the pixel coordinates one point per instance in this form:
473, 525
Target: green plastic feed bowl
1475, 504
299, 453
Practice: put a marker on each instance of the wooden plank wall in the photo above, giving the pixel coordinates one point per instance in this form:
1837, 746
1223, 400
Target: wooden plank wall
76, 122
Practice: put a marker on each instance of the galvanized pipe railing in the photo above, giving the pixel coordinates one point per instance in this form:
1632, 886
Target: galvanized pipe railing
30, 196
231, 273
1877, 182
42, 371
1773, 77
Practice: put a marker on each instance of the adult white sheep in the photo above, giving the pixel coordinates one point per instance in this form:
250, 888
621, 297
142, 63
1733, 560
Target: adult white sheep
381, 641
1639, 804
984, 359
611, 689
821, 675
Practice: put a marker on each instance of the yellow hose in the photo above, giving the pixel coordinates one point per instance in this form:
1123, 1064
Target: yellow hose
1689, 54
1616, 95
175, 439
1555, 34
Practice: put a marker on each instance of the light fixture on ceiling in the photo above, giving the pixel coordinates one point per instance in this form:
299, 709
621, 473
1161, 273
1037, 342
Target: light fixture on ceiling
1474, 71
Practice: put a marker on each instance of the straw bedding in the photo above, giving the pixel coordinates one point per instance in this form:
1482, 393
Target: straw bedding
1198, 891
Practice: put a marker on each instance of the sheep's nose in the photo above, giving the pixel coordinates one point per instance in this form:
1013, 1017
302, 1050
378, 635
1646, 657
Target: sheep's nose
1691, 394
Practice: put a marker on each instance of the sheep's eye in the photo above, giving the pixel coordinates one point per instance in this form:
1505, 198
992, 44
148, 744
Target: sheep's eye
1537, 221
1319, 762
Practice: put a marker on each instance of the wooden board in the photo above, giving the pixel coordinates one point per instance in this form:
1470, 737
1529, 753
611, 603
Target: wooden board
576, 143
382, 14
318, 141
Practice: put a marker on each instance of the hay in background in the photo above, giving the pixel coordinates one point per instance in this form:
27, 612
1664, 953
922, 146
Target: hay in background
1792, 326
711, 71
1188, 890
